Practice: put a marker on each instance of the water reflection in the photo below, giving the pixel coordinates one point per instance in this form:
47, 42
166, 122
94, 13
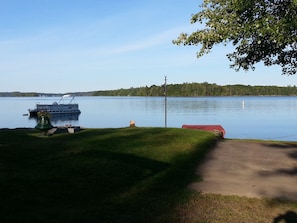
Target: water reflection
61, 119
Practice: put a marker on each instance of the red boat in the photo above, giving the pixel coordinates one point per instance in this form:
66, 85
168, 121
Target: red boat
217, 129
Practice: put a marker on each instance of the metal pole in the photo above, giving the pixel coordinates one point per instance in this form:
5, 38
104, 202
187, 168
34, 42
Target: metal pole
165, 94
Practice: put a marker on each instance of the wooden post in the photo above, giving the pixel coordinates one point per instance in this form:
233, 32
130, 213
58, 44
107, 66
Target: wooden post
165, 94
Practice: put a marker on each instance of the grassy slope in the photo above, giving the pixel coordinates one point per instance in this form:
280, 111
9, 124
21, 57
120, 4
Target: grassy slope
114, 175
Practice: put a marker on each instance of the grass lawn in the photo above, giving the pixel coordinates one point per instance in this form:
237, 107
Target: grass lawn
115, 175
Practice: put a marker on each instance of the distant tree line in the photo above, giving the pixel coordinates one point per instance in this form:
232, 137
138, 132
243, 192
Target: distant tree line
201, 89
18, 94
178, 90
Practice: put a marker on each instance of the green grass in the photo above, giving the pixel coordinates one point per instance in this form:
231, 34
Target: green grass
115, 175
96, 175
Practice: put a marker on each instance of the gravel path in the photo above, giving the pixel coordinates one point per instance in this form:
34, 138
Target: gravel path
252, 169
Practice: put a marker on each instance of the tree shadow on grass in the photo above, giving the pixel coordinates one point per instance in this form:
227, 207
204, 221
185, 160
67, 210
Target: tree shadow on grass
288, 217
88, 185
139, 163
98, 175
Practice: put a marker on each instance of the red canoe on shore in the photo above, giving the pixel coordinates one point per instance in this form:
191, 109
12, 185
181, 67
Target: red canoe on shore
217, 129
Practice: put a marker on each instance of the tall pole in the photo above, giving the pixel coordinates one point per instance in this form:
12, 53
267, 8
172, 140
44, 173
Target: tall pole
165, 94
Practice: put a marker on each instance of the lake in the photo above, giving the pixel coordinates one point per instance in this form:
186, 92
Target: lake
260, 117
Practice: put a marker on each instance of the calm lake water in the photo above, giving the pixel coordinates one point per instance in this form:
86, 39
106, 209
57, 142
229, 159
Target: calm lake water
242, 117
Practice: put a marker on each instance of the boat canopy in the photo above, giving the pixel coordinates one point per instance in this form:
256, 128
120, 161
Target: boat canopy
67, 96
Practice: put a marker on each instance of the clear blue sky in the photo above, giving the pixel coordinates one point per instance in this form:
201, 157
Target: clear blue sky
64, 46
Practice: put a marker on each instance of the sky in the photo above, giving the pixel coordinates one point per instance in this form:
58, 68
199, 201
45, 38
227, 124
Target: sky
60, 46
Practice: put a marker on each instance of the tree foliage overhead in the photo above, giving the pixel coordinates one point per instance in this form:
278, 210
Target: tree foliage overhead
260, 30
